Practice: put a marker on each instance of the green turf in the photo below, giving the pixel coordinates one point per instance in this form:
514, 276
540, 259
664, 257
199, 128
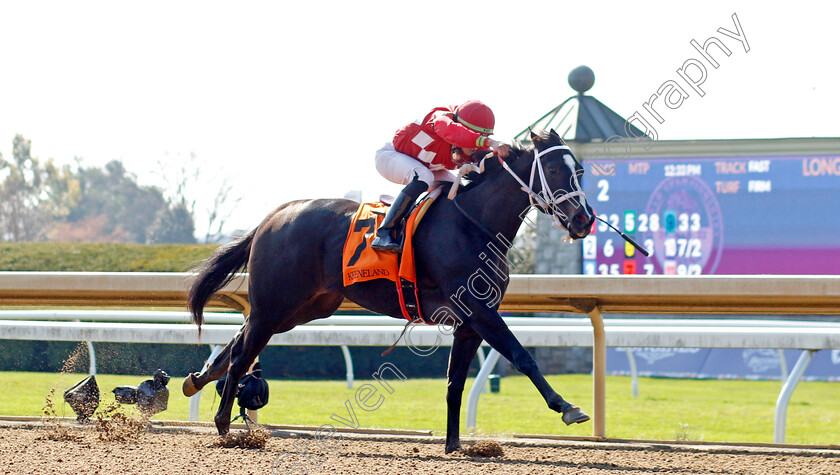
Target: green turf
672, 409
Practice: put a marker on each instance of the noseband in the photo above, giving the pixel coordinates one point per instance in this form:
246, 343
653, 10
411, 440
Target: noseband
544, 200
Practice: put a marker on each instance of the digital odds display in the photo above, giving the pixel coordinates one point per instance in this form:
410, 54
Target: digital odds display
738, 215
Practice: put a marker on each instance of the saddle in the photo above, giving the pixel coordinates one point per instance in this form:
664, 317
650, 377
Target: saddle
361, 263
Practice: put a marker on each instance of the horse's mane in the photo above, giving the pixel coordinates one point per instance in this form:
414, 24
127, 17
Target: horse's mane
493, 167
517, 150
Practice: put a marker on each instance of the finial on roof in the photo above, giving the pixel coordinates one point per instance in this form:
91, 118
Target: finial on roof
581, 79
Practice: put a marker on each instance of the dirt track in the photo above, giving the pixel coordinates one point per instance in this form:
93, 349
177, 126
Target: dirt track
27, 448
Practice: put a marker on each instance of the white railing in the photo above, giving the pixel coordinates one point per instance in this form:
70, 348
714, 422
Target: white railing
592, 295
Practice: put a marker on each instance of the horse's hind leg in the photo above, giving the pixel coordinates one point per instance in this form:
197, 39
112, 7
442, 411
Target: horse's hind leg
194, 382
243, 350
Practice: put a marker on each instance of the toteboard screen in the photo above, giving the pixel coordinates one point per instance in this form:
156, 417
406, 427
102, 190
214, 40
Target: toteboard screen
739, 215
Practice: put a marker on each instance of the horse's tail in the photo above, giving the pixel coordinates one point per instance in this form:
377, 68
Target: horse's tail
215, 272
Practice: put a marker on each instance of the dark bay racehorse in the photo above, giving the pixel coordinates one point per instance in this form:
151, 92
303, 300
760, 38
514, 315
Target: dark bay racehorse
294, 263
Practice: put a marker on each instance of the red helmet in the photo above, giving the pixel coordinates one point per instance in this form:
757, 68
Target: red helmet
476, 116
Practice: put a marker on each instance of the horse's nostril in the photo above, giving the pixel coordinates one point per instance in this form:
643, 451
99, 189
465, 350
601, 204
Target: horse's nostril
580, 219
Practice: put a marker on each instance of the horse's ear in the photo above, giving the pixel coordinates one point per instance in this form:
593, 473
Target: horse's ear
554, 135
534, 136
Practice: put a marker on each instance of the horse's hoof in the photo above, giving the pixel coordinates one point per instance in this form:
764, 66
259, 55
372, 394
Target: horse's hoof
188, 388
223, 429
574, 416
452, 448
222, 425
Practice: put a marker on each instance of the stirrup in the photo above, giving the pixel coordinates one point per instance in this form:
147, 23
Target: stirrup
244, 416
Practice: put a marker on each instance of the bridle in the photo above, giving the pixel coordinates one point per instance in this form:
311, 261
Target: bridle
544, 200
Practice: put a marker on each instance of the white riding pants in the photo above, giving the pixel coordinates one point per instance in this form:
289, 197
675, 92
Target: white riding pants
400, 168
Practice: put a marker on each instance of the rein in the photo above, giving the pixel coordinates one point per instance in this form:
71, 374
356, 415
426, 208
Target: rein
543, 200
478, 224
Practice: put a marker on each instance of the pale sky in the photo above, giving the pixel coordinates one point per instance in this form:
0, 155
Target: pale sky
293, 99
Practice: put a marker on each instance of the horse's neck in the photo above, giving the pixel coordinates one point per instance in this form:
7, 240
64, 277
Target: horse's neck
499, 204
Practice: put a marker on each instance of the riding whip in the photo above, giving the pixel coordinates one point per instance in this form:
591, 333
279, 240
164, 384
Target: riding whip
626, 237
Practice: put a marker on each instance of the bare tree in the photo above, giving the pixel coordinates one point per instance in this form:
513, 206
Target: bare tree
182, 178
222, 208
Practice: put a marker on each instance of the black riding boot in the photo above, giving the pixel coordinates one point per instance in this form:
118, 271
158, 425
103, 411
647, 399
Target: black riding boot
389, 234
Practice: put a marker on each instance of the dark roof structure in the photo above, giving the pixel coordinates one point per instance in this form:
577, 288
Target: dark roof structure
582, 118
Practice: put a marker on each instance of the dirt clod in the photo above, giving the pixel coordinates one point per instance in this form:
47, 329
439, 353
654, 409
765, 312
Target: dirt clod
484, 448
51, 423
253, 438
114, 425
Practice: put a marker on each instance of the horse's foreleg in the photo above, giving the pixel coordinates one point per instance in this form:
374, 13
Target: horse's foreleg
461, 355
493, 330
244, 349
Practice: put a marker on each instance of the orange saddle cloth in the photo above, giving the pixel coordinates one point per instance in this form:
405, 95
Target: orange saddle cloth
361, 263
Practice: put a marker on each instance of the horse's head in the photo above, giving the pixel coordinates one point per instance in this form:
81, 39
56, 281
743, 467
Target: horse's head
555, 178
549, 173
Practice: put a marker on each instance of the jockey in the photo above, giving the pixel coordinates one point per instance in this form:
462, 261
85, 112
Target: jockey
421, 154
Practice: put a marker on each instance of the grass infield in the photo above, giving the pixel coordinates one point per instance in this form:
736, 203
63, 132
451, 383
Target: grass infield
666, 409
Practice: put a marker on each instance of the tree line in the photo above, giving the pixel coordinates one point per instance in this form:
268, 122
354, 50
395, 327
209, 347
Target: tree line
43, 201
